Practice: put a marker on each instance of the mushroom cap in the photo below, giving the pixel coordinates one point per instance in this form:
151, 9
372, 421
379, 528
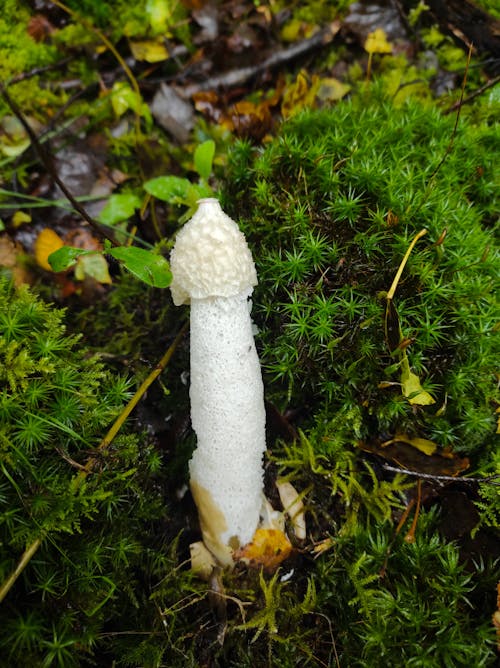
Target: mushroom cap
210, 257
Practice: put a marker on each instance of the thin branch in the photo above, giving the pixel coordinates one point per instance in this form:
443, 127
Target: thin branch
459, 103
39, 70
457, 119
243, 74
23, 562
443, 478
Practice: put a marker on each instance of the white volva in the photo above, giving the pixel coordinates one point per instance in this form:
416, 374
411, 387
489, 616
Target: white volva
212, 268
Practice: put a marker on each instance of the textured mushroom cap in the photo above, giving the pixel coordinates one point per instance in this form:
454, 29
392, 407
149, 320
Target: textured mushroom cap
210, 257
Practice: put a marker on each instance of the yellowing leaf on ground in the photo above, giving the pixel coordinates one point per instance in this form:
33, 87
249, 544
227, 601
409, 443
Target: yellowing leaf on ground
300, 94
296, 29
47, 242
19, 218
151, 50
269, 548
331, 89
376, 42
9, 258
422, 444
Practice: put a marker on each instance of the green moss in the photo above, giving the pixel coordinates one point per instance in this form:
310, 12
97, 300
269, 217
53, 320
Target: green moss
19, 54
330, 207
56, 404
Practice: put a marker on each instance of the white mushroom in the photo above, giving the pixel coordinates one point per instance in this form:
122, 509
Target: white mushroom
212, 267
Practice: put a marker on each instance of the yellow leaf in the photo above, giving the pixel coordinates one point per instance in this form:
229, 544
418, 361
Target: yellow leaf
300, 94
19, 218
268, 548
422, 444
412, 389
331, 89
376, 42
47, 242
152, 51
296, 29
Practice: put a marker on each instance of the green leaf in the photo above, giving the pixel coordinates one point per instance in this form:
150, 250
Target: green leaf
119, 208
65, 257
171, 189
123, 98
203, 158
158, 13
147, 266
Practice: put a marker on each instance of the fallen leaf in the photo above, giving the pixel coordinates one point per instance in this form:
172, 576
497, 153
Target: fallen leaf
300, 95
296, 29
332, 90
422, 444
19, 218
293, 507
248, 119
173, 112
202, 560
9, 252
47, 242
39, 28
410, 458
269, 548
13, 137
151, 50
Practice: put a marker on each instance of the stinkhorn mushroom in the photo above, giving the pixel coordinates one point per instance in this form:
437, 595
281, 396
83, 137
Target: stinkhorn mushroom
213, 269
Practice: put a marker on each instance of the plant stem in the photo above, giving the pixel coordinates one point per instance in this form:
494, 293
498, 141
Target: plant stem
23, 562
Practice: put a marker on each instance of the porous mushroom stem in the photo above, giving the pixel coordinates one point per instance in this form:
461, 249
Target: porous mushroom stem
228, 416
212, 267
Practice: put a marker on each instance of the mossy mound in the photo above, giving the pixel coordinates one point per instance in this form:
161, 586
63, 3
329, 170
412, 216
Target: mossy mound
330, 208
94, 516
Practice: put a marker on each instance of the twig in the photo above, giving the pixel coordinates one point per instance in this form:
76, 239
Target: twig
85, 470
23, 562
443, 478
38, 70
472, 96
106, 441
457, 119
410, 536
243, 74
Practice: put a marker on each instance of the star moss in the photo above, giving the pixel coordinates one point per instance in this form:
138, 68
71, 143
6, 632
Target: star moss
330, 207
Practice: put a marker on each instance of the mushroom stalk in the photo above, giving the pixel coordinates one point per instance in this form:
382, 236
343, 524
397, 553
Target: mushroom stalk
213, 268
